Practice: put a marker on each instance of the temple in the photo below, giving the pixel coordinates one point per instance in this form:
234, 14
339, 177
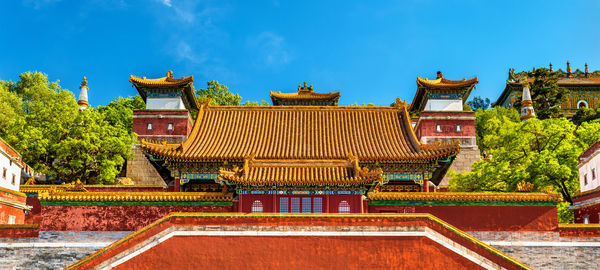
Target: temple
169, 102
267, 181
584, 87
303, 158
439, 116
305, 97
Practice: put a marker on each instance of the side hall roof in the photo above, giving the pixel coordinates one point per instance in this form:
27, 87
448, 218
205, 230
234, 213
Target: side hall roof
167, 84
441, 86
302, 132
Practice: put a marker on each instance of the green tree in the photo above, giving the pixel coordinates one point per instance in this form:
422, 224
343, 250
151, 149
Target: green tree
10, 106
542, 152
547, 96
254, 103
55, 138
218, 94
479, 103
491, 122
119, 112
585, 115
93, 150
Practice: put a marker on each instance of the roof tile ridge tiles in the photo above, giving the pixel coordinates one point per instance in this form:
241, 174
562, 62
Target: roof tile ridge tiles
407, 125
447, 82
200, 117
167, 80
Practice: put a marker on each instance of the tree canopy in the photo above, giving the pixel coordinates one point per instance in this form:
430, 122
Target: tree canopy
57, 139
219, 94
542, 152
479, 103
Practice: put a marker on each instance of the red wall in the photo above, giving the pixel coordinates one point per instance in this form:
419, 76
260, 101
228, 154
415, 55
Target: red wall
6, 210
427, 127
271, 202
34, 216
111, 218
592, 211
347, 252
255, 252
19, 231
160, 120
484, 218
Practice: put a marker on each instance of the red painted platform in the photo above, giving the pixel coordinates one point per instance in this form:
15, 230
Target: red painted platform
298, 241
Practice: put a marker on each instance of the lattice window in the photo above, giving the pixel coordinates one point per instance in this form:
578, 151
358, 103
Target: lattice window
284, 205
257, 207
306, 205
318, 205
295, 205
344, 207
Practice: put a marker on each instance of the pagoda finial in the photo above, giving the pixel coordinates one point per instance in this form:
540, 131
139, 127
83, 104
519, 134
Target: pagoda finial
568, 69
83, 95
439, 75
527, 111
551, 69
83, 83
170, 74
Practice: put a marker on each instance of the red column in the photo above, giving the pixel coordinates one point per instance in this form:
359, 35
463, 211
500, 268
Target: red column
176, 187
426, 185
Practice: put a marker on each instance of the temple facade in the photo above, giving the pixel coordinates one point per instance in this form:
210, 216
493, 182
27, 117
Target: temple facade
584, 87
302, 159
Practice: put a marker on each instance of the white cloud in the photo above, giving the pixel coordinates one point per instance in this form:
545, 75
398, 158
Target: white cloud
271, 48
167, 2
37, 4
184, 52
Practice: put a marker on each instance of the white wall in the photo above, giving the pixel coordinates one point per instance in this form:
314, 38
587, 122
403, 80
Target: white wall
164, 103
586, 168
444, 105
12, 168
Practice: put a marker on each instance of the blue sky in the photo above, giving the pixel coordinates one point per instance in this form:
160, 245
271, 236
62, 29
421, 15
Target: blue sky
372, 51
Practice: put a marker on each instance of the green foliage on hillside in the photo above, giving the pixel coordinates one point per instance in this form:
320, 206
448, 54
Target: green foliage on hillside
542, 152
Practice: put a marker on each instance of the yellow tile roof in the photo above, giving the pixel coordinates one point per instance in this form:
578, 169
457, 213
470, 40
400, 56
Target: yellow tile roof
164, 81
302, 132
135, 196
442, 86
303, 93
301, 172
445, 83
463, 196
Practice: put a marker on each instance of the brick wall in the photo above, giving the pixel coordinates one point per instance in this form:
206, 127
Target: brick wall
141, 171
